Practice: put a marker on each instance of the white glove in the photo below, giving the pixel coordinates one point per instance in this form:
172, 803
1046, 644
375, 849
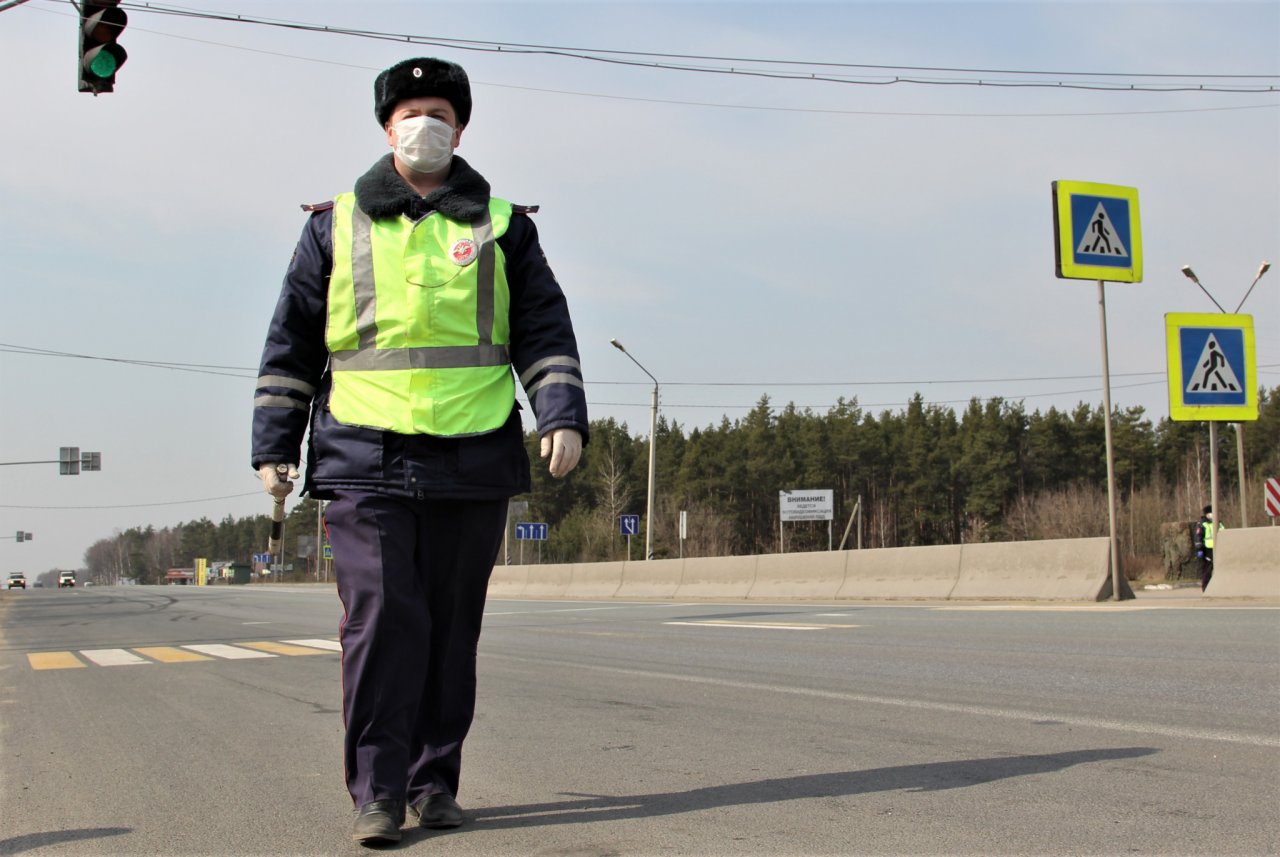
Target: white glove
274, 482
564, 445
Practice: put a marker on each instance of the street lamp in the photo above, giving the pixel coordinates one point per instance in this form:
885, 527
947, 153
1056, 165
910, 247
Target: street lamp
1191, 275
1262, 269
653, 434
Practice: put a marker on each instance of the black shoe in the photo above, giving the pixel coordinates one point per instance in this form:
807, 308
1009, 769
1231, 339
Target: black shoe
437, 811
378, 823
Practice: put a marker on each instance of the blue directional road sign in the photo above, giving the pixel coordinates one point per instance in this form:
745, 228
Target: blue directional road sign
531, 533
629, 525
262, 558
1212, 367
1097, 232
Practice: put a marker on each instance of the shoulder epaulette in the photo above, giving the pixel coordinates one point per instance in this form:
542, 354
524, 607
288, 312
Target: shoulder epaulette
318, 206
524, 209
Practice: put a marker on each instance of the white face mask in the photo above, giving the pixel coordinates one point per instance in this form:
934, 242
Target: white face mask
424, 144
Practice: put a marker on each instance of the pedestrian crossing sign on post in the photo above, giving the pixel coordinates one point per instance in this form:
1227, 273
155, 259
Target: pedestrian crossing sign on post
1097, 232
1212, 367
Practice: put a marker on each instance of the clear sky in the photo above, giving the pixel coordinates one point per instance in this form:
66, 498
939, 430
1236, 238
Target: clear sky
742, 235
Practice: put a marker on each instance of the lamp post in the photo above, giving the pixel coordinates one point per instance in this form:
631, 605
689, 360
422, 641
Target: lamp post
1213, 433
653, 435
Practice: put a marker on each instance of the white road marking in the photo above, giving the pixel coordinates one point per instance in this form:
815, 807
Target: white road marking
558, 610
1147, 728
328, 645
768, 625
233, 653
113, 657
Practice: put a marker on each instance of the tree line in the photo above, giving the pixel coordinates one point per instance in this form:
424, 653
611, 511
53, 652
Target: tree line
922, 475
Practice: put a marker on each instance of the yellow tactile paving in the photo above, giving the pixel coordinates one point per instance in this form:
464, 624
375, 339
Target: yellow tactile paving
282, 648
54, 661
170, 654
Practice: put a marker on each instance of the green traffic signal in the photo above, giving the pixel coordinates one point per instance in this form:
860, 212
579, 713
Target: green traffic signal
104, 61
101, 22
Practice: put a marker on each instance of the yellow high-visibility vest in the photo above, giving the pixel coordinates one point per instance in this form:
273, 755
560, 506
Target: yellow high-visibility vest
418, 330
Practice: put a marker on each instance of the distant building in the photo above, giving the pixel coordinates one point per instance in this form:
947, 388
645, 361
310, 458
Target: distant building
180, 577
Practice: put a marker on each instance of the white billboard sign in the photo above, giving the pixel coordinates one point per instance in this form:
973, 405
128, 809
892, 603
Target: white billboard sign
807, 505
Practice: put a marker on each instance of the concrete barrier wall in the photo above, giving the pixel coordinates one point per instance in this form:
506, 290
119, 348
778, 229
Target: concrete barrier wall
596, 579
508, 580
1076, 569
655, 578
548, 581
812, 576
717, 577
1063, 569
916, 572
1246, 564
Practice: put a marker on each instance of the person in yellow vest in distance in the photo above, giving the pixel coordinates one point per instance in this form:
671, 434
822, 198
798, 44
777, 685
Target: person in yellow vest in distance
1204, 534
407, 305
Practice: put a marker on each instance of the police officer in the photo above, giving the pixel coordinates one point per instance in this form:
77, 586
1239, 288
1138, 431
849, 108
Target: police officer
405, 308
1204, 533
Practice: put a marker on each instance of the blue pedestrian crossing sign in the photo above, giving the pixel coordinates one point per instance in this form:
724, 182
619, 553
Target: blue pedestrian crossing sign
1097, 232
629, 525
1212, 367
531, 532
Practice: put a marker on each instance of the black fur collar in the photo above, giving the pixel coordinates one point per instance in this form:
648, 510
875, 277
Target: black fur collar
382, 193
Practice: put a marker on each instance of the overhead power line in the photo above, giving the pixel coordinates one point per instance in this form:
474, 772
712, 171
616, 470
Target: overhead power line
136, 505
737, 106
251, 372
861, 74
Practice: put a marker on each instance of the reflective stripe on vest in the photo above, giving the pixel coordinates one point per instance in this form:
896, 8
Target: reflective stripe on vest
417, 327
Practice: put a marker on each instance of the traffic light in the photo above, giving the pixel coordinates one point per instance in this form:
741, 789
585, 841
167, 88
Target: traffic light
101, 56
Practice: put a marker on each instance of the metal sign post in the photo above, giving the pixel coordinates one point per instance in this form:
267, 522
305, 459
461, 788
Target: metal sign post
1111, 454
1098, 236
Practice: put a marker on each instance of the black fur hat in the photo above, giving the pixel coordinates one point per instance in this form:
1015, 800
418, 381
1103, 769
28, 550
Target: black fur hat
416, 78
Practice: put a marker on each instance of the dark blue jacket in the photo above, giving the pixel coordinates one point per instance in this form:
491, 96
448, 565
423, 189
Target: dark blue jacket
294, 379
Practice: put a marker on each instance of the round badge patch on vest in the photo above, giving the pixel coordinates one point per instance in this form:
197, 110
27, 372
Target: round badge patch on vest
463, 252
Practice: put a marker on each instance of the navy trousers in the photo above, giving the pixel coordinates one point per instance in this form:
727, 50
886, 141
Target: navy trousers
412, 576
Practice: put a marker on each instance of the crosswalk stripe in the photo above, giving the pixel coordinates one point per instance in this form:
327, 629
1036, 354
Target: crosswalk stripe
113, 657
283, 648
327, 645
180, 654
170, 654
773, 626
54, 661
233, 653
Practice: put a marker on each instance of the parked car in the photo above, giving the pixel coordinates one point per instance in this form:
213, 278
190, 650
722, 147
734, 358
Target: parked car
16, 580
66, 578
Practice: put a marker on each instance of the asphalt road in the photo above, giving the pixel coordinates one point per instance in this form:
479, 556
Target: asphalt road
1147, 727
